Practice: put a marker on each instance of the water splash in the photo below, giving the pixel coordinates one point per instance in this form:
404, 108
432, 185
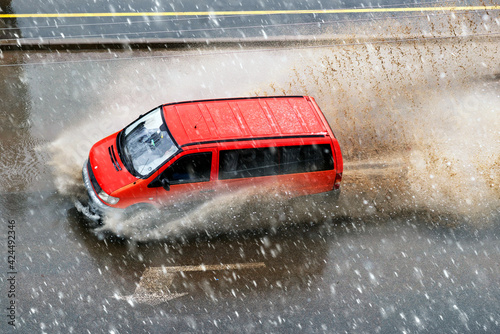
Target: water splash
434, 108
244, 210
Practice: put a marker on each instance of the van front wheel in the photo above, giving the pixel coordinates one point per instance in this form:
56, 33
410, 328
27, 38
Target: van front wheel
138, 208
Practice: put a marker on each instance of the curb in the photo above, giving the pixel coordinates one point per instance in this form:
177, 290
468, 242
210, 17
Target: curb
182, 44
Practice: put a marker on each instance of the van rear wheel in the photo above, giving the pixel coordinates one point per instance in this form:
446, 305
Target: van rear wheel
334, 194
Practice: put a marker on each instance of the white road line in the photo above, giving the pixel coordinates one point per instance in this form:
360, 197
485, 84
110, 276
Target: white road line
209, 267
155, 282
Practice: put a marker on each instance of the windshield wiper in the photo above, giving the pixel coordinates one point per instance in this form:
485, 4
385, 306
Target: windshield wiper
144, 166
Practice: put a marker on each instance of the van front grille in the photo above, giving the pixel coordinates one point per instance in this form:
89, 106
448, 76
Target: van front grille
114, 161
95, 185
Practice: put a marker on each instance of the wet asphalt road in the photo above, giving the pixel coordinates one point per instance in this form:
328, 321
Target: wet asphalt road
338, 276
217, 24
379, 261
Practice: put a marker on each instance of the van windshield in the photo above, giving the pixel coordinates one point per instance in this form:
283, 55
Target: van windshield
146, 144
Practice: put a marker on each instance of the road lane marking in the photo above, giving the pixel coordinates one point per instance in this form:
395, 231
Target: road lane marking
155, 282
210, 267
258, 12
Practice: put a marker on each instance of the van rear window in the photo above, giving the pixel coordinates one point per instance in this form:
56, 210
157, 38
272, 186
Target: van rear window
253, 162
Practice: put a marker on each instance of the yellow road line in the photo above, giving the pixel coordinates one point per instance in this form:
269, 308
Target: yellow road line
259, 12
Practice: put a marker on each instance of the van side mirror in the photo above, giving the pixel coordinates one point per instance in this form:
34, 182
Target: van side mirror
165, 184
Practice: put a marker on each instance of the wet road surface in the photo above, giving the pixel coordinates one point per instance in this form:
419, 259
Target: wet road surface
355, 276
411, 247
193, 20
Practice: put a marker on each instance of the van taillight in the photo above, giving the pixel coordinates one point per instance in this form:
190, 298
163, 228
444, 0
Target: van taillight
338, 178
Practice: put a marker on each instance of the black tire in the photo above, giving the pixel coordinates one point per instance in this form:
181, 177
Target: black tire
334, 195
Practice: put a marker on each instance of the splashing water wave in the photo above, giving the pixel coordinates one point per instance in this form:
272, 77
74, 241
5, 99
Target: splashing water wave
430, 110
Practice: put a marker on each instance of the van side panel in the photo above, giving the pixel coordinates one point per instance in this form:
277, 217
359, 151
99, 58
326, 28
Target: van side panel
136, 192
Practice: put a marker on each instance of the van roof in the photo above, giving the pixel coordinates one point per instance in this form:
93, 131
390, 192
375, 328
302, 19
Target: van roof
243, 118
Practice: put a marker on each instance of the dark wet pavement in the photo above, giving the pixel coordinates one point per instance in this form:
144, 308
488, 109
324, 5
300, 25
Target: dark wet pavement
334, 276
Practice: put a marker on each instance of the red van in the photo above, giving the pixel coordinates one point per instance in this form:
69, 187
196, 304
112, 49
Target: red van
190, 151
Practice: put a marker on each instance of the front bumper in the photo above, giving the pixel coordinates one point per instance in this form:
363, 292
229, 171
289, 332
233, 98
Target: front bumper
95, 204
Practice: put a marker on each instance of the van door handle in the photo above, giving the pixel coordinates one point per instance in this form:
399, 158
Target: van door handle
207, 191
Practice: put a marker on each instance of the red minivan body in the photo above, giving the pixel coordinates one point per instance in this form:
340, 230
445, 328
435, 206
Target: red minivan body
191, 151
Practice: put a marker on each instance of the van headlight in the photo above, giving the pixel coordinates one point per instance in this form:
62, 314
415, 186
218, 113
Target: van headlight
108, 199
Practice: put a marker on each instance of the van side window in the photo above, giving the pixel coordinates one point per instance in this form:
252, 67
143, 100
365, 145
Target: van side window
305, 159
189, 168
234, 164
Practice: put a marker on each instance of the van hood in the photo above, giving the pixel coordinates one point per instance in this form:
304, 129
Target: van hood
107, 167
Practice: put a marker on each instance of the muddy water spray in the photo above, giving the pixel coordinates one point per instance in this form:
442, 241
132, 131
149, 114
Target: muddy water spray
430, 110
